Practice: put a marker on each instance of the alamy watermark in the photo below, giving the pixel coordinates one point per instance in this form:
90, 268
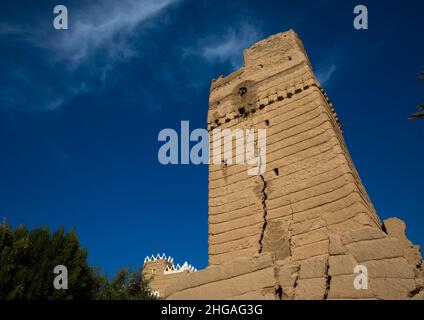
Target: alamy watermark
361, 20
60, 22
361, 280
221, 147
60, 282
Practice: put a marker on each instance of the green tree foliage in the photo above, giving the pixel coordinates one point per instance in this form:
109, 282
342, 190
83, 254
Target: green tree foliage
126, 285
28, 258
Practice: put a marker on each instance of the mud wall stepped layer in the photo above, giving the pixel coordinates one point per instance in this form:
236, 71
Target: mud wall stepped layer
246, 278
325, 276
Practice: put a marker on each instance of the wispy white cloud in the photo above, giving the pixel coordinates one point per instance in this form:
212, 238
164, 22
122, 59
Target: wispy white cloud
101, 36
9, 29
324, 73
328, 63
109, 27
228, 46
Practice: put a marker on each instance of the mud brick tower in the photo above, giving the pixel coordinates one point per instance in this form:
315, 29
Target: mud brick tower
298, 230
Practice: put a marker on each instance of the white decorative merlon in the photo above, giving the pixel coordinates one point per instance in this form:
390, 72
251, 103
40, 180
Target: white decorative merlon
175, 269
170, 269
157, 257
154, 293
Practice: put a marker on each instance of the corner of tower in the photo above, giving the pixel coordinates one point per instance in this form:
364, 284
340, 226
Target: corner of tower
279, 62
275, 50
156, 265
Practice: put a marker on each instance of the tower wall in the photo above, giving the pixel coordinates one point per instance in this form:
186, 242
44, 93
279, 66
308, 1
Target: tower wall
161, 273
310, 186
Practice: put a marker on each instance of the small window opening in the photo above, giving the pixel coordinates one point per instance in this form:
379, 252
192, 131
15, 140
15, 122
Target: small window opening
277, 171
267, 122
242, 91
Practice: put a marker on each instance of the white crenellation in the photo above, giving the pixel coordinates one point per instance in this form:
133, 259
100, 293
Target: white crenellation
171, 269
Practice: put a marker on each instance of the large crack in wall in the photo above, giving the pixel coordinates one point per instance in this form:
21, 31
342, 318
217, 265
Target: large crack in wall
265, 216
290, 230
327, 282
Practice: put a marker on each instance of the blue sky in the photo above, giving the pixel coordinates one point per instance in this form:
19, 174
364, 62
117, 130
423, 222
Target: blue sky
80, 111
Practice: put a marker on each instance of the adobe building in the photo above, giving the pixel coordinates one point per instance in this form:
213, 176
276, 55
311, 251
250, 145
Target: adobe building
298, 230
